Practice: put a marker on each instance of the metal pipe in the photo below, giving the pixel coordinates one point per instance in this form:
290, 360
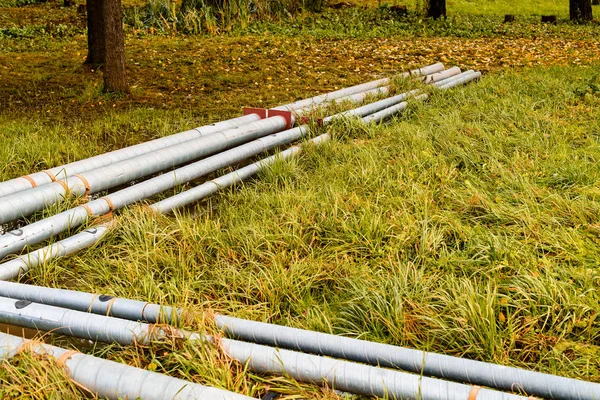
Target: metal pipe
391, 111
44, 229
86, 238
37, 232
83, 324
431, 364
383, 90
461, 80
379, 354
81, 184
315, 101
51, 226
26, 203
452, 78
438, 76
62, 172
339, 374
133, 310
353, 377
109, 379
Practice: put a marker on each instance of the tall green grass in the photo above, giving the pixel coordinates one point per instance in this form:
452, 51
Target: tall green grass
197, 16
468, 226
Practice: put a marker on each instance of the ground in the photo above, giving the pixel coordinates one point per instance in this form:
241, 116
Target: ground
468, 226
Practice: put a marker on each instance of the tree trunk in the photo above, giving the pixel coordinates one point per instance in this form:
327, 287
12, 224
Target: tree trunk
95, 21
436, 9
115, 79
580, 10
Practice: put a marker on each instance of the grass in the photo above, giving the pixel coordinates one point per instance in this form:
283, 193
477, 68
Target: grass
468, 230
468, 226
493, 8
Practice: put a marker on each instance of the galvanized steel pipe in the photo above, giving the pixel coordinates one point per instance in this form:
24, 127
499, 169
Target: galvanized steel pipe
26, 203
108, 379
315, 101
438, 76
37, 232
44, 229
77, 167
459, 81
64, 171
430, 364
13, 268
82, 324
339, 374
133, 310
354, 378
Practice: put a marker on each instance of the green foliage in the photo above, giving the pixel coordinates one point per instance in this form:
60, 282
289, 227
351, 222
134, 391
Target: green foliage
468, 227
196, 16
33, 31
589, 88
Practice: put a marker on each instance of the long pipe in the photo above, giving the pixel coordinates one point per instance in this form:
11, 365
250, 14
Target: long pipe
451, 81
340, 374
13, 268
475, 372
466, 78
26, 203
382, 91
430, 364
315, 101
109, 379
438, 76
77, 167
80, 177
62, 172
42, 230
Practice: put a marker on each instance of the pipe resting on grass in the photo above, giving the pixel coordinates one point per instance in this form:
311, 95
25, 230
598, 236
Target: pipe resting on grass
315, 101
431, 364
109, 379
44, 229
64, 171
123, 166
26, 203
339, 374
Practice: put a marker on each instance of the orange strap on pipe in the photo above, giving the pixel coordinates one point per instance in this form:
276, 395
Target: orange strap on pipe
30, 180
86, 184
474, 391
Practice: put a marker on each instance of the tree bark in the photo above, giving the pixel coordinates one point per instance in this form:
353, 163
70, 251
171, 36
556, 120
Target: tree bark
580, 10
95, 21
436, 9
115, 79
